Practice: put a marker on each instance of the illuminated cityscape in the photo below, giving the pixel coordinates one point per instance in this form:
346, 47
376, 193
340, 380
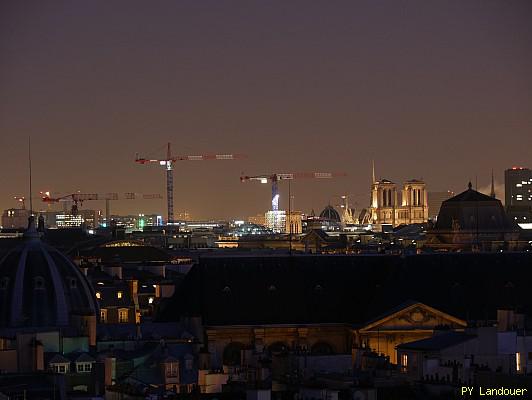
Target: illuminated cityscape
266, 200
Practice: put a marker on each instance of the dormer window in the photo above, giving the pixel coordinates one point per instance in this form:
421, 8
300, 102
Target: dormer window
38, 282
123, 315
98, 295
83, 367
119, 295
103, 315
172, 369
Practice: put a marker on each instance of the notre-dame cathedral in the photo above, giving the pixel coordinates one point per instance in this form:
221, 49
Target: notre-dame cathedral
388, 207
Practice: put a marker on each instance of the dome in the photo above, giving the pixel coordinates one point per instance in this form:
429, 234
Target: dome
473, 211
330, 214
40, 287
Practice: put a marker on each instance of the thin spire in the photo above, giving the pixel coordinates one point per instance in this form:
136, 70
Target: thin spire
492, 193
373, 171
29, 160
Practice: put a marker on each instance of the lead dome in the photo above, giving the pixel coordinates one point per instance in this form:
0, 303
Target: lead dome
41, 287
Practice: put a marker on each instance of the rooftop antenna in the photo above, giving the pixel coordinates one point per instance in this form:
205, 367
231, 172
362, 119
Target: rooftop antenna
29, 159
492, 193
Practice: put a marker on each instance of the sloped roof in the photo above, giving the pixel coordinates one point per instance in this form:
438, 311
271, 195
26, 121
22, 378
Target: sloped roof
348, 289
438, 342
472, 210
59, 359
471, 195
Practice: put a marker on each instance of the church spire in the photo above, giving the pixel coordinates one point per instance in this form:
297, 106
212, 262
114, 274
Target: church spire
492, 193
372, 171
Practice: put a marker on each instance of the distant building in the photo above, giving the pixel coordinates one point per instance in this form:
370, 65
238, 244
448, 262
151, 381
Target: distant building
13, 218
435, 200
388, 207
86, 218
518, 195
472, 220
276, 221
258, 219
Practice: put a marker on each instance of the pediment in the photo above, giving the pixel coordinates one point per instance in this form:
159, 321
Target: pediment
413, 316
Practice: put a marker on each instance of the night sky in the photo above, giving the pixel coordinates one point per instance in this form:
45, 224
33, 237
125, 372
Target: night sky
438, 90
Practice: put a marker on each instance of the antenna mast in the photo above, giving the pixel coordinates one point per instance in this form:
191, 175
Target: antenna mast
29, 159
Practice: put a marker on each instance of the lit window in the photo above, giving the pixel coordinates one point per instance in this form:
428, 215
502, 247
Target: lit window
404, 362
98, 295
122, 315
518, 362
119, 295
150, 300
103, 315
172, 369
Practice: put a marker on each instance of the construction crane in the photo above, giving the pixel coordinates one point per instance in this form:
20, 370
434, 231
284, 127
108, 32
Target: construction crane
168, 163
275, 178
76, 198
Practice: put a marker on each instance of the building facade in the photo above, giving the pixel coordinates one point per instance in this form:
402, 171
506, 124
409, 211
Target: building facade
388, 207
518, 194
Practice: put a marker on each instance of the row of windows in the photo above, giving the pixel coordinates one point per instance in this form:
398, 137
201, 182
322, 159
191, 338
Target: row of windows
64, 368
123, 315
119, 295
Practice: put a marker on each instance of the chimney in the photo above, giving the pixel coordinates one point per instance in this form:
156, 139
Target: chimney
40, 224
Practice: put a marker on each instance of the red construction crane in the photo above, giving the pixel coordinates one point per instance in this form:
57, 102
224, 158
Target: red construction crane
275, 178
168, 164
76, 198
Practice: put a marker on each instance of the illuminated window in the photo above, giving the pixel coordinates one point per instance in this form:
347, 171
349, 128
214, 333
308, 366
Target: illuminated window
150, 300
172, 369
98, 295
122, 315
103, 315
404, 362
518, 362
119, 295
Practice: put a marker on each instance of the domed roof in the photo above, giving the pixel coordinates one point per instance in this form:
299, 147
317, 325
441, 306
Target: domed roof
330, 214
40, 287
474, 211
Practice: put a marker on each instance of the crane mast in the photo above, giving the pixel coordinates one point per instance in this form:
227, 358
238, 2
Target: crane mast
168, 164
169, 185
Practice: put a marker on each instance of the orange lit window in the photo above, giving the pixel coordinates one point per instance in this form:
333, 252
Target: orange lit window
98, 295
119, 295
122, 315
404, 362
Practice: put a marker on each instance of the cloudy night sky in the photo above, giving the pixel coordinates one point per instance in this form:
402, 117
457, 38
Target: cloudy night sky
438, 90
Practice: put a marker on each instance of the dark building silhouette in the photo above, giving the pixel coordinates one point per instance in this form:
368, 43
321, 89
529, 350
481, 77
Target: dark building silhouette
473, 220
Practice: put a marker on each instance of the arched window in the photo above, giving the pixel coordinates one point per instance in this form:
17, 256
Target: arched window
38, 282
278, 348
232, 353
321, 349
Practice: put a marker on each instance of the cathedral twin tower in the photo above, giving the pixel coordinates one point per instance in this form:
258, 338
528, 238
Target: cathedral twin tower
393, 208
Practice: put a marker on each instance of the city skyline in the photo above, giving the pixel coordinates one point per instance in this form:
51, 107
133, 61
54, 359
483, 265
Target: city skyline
434, 91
